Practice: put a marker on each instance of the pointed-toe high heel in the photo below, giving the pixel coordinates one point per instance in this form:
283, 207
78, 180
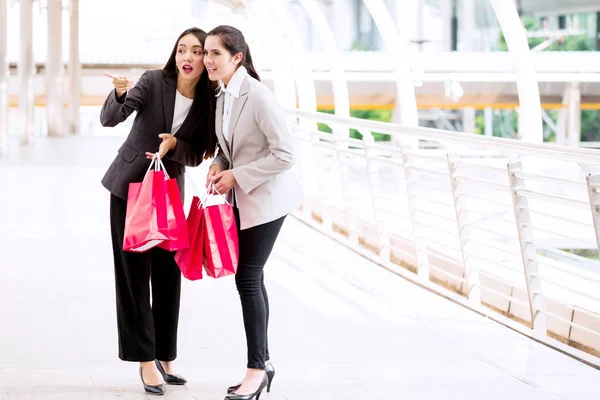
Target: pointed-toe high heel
251, 396
157, 390
170, 379
269, 370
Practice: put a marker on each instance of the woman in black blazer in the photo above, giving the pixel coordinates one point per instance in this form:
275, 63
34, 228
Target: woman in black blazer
179, 100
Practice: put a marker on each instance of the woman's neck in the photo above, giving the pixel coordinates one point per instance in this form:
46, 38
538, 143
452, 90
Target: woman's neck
187, 88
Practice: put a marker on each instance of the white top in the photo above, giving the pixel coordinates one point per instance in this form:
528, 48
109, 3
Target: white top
182, 108
232, 93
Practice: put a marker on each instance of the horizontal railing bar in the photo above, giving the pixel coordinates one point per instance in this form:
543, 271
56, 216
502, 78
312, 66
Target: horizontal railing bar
549, 179
392, 161
564, 153
449, 204
570, 272
390, 198
461, 193
461, 164
438, 189
550, 232
496, 263
561, 253
553, 198
451, 218
420, 155
454, 234
469, 239
501, 278
447, 273
506, 296
575, 291
428, 240
570, 323
426, 170
492, 232
534, 211
482, 182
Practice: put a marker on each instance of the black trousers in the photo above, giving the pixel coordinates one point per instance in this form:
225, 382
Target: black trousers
147, 327
255, 246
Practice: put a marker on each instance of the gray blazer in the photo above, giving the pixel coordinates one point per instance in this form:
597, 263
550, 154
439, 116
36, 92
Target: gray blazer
153, 97
261, 155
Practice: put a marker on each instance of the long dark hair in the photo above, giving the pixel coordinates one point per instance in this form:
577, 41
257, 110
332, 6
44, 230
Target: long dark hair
234, 42
204, 99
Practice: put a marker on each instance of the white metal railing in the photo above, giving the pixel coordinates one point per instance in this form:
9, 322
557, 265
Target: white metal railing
494, 220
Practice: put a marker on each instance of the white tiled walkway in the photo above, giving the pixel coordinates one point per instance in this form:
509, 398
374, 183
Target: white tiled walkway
341, 327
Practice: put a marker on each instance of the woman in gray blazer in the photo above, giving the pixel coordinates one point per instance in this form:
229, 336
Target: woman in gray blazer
253, 166
179, 100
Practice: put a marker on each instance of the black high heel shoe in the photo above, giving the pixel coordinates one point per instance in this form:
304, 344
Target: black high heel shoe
269, 370
251, 396
170, 379
157, 390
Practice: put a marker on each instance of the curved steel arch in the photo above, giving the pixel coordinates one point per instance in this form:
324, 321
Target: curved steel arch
307, 94
283, 81
530, 108
341, 97
405, 91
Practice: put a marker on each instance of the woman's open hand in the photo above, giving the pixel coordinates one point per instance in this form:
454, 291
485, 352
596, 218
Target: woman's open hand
169, 142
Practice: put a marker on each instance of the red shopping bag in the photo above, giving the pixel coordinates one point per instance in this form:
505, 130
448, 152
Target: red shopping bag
220, 241
177, 225
146, 223
190, 260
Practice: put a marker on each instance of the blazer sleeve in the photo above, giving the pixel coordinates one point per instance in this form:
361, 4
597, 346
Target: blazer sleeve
270, 118
221, 160
114, 111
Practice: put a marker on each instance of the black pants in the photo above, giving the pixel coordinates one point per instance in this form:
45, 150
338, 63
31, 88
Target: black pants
146, 331
255, 246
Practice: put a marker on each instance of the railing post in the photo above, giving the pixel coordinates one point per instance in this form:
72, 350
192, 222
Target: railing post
375, 186
471, 272
593, 185
303, 131
528, 249
341, 137
420, 246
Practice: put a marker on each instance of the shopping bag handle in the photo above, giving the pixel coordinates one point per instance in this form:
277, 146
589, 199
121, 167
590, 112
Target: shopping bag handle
158, 166
209, 189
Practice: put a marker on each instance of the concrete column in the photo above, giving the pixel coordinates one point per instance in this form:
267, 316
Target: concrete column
74, 69
407, 17
488, 115
467, 42
26, 71
54, 70
446, 14
574, 118
469, 120
3, 77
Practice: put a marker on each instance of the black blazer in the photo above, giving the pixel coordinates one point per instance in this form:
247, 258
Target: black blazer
153, 97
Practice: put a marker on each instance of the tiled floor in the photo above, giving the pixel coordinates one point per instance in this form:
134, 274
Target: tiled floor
341, 327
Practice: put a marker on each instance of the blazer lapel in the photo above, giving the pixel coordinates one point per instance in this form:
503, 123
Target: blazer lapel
219, 126
238, 106
169, 86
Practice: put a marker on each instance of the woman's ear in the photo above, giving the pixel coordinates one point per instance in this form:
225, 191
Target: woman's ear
238, 58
